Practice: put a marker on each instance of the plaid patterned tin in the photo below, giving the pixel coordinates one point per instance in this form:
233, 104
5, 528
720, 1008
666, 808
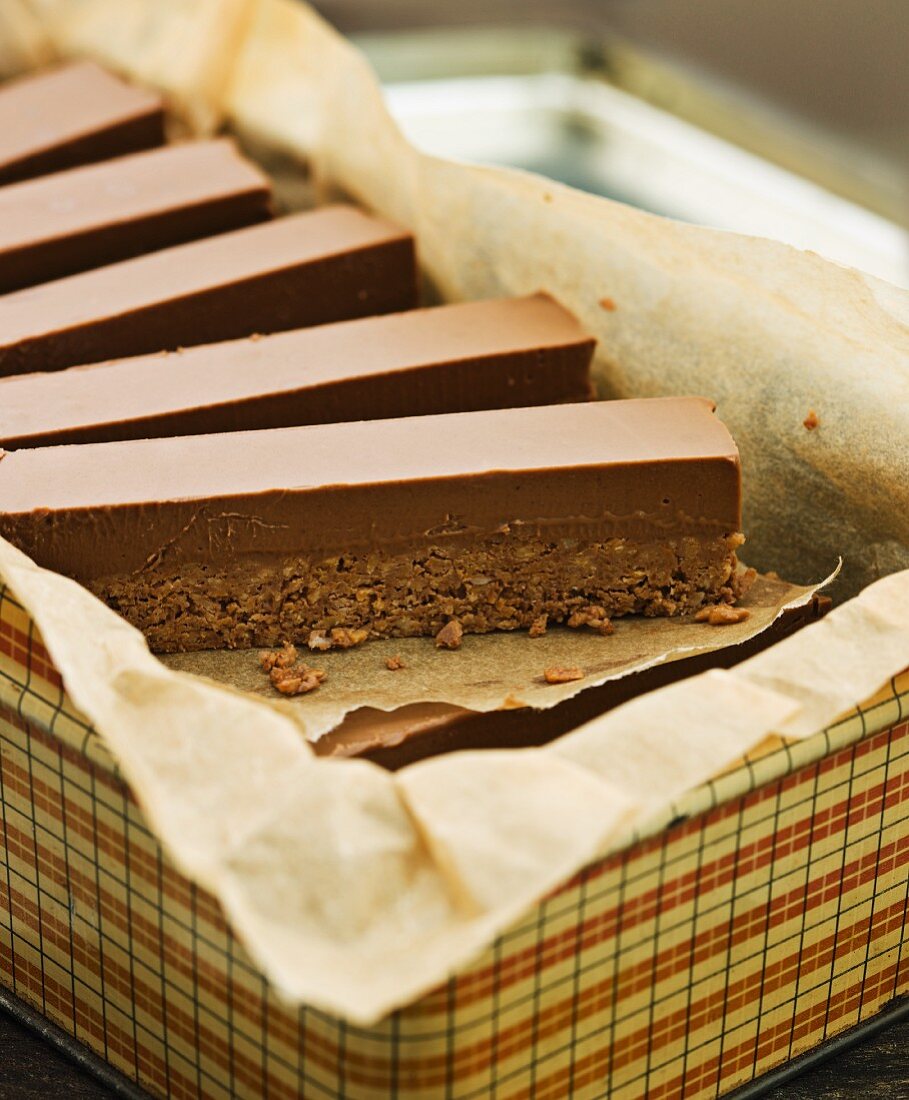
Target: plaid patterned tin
769, 915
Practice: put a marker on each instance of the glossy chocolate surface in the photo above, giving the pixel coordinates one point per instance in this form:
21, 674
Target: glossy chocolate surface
658, 468
101, 213
76, 114
518, 351
312, 268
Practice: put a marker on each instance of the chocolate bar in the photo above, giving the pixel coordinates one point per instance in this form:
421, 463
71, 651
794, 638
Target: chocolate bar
418, 731
307, 269
76, 114
86, 217
469, 522
519, 351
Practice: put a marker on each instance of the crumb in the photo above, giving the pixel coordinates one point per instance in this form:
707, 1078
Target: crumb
319, 640
538, 626
178, 350
279, 658
254, 336
812, 420
394, 663
746, 581
722, 615
607, 304
557, 675
594, 617
344, 638
449, 637
772, 575
299, 680
287, 674
547, 197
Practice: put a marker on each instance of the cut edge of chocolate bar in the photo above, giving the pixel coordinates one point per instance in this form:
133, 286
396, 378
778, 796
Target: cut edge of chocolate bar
491, 520
313, 267
96, 214
88, 113
461, 357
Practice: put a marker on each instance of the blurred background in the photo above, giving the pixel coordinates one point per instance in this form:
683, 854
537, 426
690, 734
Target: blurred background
785, 118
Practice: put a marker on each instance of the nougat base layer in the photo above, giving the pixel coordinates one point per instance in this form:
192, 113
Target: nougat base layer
501, 582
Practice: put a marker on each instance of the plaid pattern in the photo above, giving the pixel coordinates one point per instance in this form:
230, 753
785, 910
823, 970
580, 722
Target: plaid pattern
768, 915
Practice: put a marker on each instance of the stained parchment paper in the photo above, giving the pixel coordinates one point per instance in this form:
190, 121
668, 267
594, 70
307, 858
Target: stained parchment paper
356, 890
490, 672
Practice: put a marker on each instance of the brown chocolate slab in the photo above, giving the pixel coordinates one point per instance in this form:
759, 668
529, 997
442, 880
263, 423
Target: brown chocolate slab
664, 466
421, 730
519, 351
101, 213
313, 268
76, 114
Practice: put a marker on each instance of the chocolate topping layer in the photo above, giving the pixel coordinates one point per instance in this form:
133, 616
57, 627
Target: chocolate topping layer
86, 217
73, 115
326, 265
663, 468
520, 351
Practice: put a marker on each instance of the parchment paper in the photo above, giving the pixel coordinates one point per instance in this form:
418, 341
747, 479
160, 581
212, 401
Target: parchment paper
356, 890
490, 672
768, 331
23, 42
